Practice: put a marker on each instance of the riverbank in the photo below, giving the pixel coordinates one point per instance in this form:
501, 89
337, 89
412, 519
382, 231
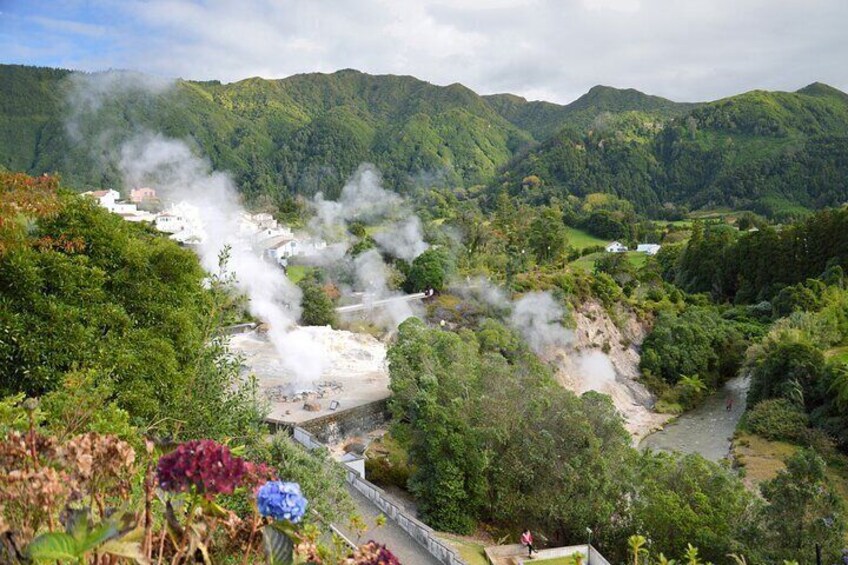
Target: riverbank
708, 429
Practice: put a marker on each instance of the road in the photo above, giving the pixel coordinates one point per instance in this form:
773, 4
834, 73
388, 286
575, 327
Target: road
707, 429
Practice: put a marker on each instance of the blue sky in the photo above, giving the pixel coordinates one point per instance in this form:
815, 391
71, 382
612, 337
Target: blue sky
542, 49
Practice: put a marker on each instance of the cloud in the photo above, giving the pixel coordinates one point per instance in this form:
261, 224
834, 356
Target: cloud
554, 49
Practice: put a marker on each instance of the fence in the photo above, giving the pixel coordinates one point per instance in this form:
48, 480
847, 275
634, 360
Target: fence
420, 532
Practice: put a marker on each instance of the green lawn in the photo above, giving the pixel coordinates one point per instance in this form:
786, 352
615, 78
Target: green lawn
838, 353
470, 552
579, 239
587, 262
297, 272
557, 561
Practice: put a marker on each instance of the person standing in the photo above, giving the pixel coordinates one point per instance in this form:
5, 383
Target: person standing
527, 540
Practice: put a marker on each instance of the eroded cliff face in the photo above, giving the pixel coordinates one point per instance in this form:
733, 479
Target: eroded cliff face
604, 357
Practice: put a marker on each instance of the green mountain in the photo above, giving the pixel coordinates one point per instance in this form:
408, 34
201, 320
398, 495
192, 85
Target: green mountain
771, 151
543, 119
775, 152
302, 134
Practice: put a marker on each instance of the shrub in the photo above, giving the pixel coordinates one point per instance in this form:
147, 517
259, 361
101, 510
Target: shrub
778, 419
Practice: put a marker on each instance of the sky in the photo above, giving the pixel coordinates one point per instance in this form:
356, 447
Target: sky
685, 50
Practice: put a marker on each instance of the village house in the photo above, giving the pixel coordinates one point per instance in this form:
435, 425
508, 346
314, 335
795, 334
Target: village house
105, 198
169, 223
139, 195
616, 247
649, 248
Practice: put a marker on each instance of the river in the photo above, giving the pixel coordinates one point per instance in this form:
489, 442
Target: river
707, 429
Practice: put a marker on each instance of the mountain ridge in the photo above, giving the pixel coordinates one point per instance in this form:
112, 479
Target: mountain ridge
307, 133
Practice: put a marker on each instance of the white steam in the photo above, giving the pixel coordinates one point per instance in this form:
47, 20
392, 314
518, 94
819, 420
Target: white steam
399, 234
595, 371
168, 164
538, 317
403, 239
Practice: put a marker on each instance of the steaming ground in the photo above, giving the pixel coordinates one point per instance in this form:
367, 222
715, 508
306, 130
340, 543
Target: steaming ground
583, 366
354, 371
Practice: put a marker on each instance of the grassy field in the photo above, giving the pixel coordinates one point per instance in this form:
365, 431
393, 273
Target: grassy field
579, 239
587, 262
470, 551
762, 459
297, 272
838, 354
557, 561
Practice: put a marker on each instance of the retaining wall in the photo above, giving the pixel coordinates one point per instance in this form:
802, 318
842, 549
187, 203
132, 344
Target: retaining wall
423, 534
336, 426
420, 532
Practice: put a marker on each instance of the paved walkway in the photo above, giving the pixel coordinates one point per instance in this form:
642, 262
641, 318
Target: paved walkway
407, 550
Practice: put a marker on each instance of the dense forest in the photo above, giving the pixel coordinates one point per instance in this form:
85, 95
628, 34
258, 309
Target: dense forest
776, 153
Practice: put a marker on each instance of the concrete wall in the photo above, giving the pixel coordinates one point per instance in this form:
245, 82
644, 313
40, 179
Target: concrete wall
420, 532
334, 427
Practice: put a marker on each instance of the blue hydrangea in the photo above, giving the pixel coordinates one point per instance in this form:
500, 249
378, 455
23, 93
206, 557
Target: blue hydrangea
281, 501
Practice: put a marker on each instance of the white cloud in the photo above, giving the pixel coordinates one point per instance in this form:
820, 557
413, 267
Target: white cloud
551, 49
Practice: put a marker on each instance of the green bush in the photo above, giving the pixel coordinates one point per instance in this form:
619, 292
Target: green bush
778, 419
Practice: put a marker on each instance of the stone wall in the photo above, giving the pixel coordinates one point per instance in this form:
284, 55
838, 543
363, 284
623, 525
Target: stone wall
334, 427
420, 532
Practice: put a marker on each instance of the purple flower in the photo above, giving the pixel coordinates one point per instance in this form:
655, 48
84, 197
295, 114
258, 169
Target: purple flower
204, 465
281, 501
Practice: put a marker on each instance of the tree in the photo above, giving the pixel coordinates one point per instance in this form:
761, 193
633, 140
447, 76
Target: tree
430, 270
548, 237
802, 510
687, 499
784, 365
432, 375
318, 308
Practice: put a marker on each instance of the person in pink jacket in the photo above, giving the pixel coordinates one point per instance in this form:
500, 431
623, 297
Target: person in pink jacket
527, 540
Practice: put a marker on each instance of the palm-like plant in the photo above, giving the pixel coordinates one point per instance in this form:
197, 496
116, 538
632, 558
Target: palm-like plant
663, 560
637, 547
738, 559
691, 555
839, 384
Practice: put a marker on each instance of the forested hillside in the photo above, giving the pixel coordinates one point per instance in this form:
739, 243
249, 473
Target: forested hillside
777, 153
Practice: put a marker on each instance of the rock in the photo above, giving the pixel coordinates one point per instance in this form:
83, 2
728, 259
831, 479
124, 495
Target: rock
312, 406
355, 447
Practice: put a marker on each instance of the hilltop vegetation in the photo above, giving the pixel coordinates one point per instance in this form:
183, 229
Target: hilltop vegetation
777, 153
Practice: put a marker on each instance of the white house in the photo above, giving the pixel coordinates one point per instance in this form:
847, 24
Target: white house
616, 247
649, 248
106, 198
169, 223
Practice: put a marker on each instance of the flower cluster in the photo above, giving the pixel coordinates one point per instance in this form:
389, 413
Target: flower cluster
99, 462
256, 475
281, 501
372, 553
203, 465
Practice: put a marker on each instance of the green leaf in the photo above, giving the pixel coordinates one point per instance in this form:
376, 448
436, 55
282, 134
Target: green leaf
128, 550
100, 534
279, 548
53, 546
77, 523
210, 508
